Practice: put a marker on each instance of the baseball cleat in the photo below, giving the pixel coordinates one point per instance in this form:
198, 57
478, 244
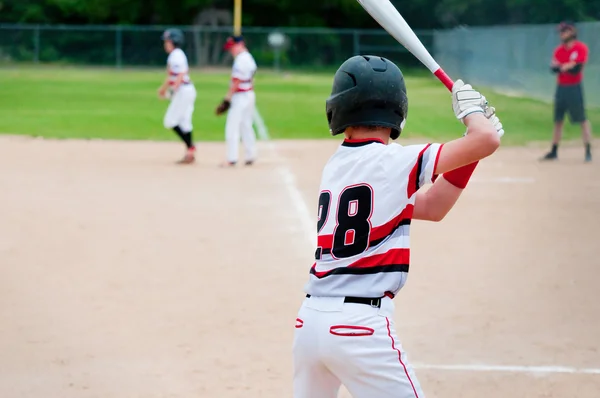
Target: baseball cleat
227, 164
249, 162
188, 158
550, 156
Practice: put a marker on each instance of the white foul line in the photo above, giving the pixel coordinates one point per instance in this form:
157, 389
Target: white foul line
511, 369
298, 203
261, 127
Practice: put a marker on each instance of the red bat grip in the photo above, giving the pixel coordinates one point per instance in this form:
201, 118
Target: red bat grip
444, 78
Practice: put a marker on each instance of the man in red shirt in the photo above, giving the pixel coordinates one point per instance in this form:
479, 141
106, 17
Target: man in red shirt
569, 58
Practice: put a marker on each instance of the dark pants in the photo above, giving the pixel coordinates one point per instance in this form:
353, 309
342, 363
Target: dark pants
569, 98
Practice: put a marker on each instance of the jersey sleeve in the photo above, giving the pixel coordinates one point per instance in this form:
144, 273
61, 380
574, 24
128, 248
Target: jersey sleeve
415, 163
178, 62
242, 69
555, 55
582, 54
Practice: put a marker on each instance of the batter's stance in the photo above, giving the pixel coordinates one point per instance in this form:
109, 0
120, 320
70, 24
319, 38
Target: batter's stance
180, 89
568, 61
240, 103
369, 193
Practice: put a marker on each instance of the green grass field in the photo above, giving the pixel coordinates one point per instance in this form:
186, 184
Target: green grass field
75, 102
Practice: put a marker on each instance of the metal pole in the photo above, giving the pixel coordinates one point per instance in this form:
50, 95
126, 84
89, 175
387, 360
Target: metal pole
36, 45
277, 55
119, 47
237, 17
356, 41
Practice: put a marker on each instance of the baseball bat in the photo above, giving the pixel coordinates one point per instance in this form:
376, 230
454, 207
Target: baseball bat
384, 12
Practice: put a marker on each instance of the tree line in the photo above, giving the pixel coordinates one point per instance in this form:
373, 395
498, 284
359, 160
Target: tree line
421, 14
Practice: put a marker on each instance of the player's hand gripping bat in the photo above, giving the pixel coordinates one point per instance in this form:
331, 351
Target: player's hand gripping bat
390, 19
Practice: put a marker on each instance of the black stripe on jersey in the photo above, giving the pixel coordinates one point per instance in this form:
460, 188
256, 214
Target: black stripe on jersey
419, 167
375, 242
364, 271
354, 144
320, 251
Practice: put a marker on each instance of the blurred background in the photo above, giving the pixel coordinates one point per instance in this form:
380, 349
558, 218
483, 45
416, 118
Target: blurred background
504, 44
123, 275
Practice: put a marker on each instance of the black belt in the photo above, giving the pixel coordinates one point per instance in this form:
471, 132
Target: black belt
373, 302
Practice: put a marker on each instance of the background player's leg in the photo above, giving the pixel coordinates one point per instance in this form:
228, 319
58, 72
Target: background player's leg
232, 130
560, 109
186, 136
173, 117
578, 115
248, 134
185, 127
586, 133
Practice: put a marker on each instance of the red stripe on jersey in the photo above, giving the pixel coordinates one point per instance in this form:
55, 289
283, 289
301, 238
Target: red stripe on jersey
391, 257
415, 173
386, 229
378, 233
359, 140
437, 159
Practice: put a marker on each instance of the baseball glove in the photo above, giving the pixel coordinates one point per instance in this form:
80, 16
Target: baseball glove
223, 107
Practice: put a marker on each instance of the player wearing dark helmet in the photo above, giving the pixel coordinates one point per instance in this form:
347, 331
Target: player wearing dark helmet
175, 36
179, 88
369, 194
358, 100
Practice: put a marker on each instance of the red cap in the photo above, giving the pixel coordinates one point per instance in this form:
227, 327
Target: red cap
231, 41
565, 25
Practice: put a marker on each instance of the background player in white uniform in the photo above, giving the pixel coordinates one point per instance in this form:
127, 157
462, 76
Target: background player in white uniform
240, 103
180, 89
369, 193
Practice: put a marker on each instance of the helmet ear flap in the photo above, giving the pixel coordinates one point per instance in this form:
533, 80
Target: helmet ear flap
329, 118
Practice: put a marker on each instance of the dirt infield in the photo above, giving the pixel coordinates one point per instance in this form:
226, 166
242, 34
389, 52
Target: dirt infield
123, 275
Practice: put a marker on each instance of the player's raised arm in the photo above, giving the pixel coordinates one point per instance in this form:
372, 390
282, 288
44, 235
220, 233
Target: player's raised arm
481, 140
482, 137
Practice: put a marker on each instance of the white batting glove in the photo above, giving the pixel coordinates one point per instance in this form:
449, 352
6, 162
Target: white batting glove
466, 100
490, 113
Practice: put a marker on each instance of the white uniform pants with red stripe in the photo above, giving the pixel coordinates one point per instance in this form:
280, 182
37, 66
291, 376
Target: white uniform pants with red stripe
355, 345
181, 108
239, 124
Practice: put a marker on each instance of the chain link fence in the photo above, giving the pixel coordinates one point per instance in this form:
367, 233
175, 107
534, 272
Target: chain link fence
515, 59
139, 46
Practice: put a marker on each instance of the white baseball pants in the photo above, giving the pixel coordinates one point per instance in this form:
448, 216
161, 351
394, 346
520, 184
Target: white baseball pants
180, 110
239, 124
355, 345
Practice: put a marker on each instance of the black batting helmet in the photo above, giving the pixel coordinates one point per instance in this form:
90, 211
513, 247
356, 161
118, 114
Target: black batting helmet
367, 91
175, 35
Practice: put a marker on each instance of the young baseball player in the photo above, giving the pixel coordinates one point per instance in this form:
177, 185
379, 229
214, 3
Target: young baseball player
369, 194
568, 61
239, 102
180, 89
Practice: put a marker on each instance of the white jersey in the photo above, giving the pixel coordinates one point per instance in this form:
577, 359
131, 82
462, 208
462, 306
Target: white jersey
366, 202
244, 68
177, 63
